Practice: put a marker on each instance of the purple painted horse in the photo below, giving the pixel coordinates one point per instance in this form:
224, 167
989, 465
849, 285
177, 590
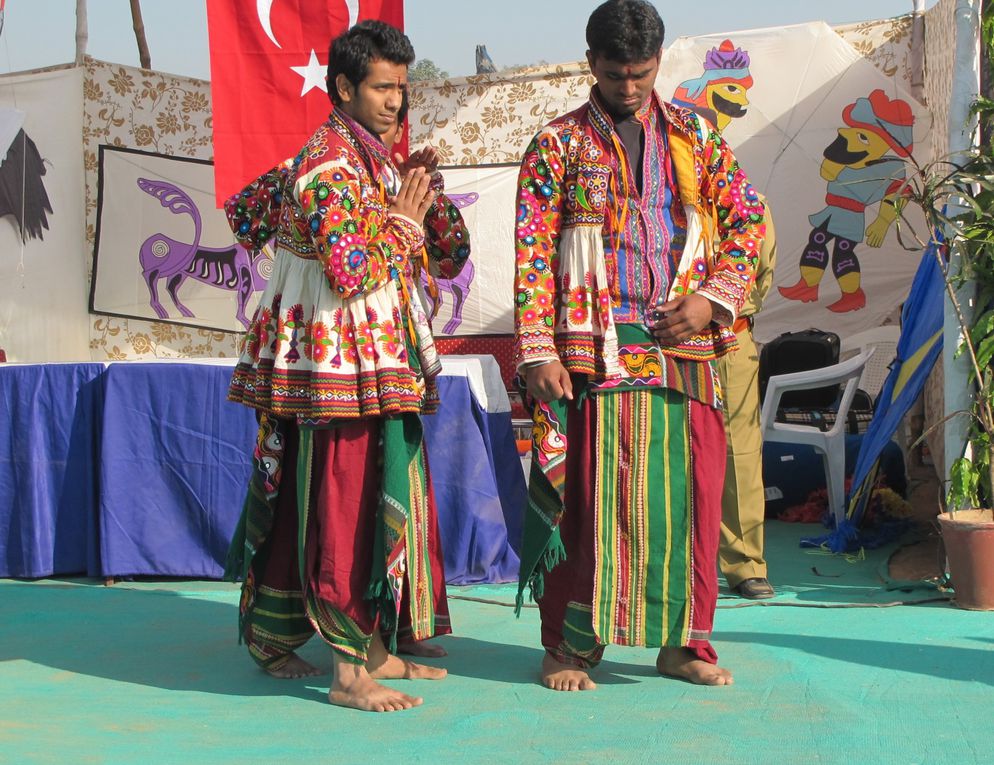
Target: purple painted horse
230, 268
458, 290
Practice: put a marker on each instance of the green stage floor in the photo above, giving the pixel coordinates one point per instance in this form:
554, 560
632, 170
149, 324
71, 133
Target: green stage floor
150, 672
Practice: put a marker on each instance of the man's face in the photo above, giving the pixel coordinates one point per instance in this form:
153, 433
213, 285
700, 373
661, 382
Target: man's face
624, 87
393, 135
374, 104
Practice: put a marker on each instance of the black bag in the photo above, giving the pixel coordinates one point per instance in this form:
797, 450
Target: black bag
799, 352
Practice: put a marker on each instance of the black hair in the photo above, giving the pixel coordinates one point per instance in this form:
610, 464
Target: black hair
405, 106
626, 31
370, 40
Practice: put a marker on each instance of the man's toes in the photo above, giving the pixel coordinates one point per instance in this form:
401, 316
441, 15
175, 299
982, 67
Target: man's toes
719, 678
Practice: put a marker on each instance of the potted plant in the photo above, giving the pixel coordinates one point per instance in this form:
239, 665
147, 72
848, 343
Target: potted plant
956, 196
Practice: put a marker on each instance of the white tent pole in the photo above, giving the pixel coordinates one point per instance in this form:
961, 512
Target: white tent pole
962, 135
81, 34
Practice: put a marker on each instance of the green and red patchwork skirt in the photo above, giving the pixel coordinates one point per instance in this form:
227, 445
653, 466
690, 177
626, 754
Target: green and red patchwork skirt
622, 528
339, 536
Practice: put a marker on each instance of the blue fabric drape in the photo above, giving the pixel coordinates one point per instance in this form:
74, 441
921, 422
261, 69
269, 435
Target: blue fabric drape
141, 469
479, 486
49, 442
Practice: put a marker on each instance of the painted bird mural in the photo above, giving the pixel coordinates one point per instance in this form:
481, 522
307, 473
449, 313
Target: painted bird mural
22, 188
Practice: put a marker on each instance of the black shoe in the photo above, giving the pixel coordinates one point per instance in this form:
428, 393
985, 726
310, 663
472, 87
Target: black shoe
757, 588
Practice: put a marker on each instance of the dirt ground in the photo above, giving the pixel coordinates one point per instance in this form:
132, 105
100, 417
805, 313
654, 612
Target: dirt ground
921, 556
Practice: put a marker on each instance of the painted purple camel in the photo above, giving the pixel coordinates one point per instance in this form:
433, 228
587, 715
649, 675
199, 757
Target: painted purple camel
230, 268
459, 287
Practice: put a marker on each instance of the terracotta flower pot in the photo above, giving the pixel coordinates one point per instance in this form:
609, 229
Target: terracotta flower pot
968, 536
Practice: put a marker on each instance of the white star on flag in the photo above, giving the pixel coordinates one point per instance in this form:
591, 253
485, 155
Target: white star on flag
313, 73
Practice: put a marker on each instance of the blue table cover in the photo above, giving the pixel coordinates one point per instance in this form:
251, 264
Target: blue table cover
479, 486
175, 462
141, 468
49, 444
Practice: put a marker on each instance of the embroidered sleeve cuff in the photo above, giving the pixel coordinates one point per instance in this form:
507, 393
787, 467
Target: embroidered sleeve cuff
412, 232
533, 352
723, 310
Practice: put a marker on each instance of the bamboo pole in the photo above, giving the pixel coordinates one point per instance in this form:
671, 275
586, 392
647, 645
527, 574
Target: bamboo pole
136, 16
81, 33
986, 85
917, 61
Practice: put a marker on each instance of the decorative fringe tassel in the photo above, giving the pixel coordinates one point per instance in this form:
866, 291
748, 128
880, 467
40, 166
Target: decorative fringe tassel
554, 554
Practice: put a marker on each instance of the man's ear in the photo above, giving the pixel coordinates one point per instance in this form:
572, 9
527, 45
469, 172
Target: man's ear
346, 90
590, 59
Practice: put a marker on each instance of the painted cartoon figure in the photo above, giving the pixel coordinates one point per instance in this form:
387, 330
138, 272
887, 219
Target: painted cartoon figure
720, 93
863, 166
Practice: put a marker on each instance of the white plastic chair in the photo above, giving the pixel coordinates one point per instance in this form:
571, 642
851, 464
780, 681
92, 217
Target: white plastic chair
830, 444
884, 339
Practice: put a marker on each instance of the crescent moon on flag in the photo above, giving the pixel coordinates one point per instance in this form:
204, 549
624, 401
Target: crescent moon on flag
264, 8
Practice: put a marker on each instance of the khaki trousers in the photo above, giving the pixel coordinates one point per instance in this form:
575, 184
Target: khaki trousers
743, 502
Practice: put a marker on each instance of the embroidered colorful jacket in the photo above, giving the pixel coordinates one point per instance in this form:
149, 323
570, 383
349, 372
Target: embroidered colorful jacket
332, 336
586, 262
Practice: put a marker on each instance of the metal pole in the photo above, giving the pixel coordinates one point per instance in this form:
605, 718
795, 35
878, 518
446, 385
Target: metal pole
81, 35
962, 134
136, 16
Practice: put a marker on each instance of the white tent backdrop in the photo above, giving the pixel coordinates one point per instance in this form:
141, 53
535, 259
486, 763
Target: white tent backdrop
486, 196
798, 100
43, 280
792, 114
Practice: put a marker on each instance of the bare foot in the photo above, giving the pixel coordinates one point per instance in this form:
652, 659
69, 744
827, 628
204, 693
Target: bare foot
354, 688
295, 667
564, 677
682, 663
383, 665
396, 668
421, 648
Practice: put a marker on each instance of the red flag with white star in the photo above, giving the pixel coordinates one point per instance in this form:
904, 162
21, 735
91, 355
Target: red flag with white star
269, 59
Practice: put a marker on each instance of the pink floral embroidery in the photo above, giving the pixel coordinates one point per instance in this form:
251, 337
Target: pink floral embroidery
365, 341
389, 340
320, 341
